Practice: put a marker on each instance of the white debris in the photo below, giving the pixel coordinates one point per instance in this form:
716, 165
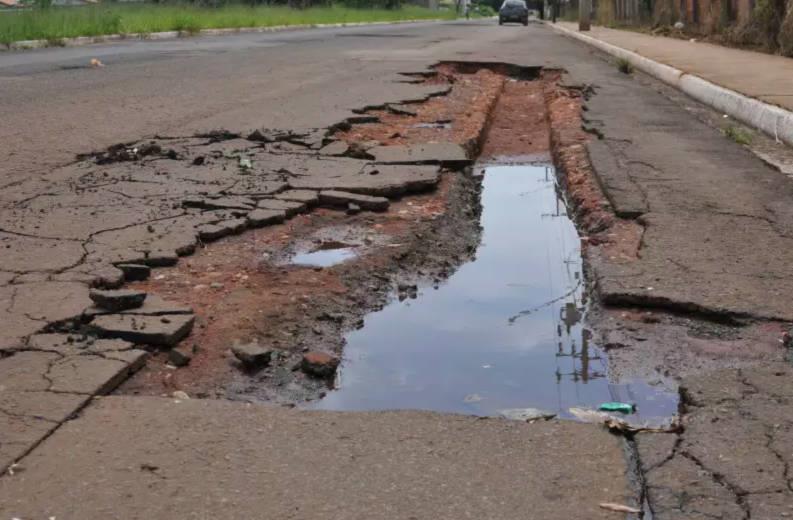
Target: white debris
526, 414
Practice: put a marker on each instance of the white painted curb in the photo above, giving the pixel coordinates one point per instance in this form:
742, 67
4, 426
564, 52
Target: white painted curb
87, 40
773, 120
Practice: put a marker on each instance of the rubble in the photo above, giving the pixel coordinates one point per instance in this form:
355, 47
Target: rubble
307, 197
252, 355
289, 207
165, 331
319, 364
181, 355
117, 300
335, 148
341, 198
449, 154
265, 217
135, 272
212, 232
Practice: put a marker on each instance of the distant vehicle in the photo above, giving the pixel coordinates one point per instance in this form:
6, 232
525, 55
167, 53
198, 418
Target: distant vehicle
513, 11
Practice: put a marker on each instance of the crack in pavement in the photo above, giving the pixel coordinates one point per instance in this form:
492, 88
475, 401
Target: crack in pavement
180, 175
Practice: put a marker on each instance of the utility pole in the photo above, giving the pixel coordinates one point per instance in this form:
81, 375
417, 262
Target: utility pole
584, 13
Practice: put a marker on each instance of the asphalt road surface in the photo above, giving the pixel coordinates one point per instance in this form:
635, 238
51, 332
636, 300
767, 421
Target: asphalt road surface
127, 457
53, 105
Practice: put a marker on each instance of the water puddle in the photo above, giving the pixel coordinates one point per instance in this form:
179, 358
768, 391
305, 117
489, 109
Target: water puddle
506, 331
439, 125
324, 257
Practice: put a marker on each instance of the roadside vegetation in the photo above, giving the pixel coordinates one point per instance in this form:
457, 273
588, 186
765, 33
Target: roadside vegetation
55, 23
767, 25
624, 66
738, 135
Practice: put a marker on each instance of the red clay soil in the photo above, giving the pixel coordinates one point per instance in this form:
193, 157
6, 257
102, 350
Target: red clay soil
239, 296
620, 238
464, 111
519, 124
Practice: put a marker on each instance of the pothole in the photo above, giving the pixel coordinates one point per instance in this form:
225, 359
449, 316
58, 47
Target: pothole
507, 331
395, 291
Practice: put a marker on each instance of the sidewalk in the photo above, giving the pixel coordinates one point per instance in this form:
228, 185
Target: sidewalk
761, 76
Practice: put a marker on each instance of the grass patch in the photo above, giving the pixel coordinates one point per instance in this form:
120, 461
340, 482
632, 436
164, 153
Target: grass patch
739, 135
54, 24
624, 66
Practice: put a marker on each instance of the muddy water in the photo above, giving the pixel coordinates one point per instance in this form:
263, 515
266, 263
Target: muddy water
506, 331
324, 257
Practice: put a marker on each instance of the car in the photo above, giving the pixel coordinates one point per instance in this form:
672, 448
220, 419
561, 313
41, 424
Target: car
513, 11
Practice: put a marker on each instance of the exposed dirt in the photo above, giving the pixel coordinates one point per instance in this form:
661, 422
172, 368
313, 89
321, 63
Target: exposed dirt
519, 130
243, 288
567, 144
657, 345
294, 308
458, 117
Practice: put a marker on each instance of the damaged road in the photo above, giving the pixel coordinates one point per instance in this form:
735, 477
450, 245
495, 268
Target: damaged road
247, 255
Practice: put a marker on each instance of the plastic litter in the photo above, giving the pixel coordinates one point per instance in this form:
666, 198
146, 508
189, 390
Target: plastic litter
180, 395
526, 414
625, 408
621, 425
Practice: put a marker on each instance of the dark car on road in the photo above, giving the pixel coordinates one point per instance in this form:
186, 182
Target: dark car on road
513, 11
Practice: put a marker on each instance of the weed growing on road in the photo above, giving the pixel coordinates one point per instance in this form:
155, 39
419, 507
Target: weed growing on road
738, 135
624, 66
55, 24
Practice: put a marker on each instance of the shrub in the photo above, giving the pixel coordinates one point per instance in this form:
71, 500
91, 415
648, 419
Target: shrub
785, 38
624, 66
739, 135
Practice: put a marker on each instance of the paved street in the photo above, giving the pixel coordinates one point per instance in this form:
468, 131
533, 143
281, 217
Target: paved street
236, 148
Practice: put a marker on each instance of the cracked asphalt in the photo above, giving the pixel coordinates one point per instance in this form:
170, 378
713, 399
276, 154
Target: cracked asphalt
689, 262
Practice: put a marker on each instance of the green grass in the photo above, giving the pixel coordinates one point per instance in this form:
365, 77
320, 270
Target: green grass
738, 135
624, 66
54, 24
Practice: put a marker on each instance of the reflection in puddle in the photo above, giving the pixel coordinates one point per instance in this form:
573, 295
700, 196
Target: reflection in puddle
506, 330
324, 257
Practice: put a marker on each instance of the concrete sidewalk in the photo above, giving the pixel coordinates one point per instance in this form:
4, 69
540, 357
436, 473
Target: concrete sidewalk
761, 76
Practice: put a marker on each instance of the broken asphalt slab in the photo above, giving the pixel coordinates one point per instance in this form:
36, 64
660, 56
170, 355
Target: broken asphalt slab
154, 305
111, 216
117, 300
335, 198
447, 154
717, 231
234, 460
165, 331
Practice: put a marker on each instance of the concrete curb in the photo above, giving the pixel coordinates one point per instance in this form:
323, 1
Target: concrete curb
773, 120
88, 40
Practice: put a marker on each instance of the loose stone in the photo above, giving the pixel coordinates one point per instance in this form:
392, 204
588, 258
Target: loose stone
319, 364
252, 355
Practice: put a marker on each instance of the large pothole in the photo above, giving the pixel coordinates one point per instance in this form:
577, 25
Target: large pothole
505, 333
422, 315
